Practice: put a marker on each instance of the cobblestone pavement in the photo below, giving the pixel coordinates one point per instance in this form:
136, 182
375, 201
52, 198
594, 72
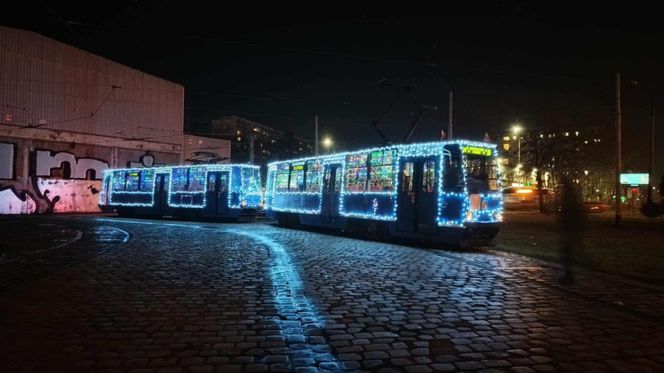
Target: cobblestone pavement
145, 295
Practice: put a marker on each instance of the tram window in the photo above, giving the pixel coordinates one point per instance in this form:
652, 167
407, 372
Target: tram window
282, 177
407, 177
313, 175
326, 180
356, 179
133, 179
452, 170
223, 181
211, 181
356, 172
482, 173
429, 176
382, 171
250, 180
118, 180
196, 179
180, 179
147, 180
337, 180
296, 183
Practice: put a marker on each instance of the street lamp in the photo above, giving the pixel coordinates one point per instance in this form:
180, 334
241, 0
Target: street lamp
328, 143
516, 130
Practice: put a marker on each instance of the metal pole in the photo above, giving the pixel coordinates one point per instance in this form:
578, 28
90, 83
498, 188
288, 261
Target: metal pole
450, 136
519, 154
618, 147
652, 150
316, 130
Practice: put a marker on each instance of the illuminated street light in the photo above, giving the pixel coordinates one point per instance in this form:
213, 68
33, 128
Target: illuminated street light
516, 130
328, 143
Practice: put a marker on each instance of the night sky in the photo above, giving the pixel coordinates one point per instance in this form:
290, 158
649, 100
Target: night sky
507, 62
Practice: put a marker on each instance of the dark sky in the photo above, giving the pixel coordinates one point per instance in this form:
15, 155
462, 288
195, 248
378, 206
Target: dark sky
506, 62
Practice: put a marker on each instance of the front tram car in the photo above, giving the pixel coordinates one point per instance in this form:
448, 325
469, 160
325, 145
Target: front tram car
444, 192
230, 191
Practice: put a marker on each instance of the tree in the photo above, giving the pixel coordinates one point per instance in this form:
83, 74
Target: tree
582, 157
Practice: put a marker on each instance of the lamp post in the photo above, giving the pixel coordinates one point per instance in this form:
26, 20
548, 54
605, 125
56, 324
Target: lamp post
516, 130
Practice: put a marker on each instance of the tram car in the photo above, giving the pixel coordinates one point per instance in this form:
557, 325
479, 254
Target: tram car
445, 192
231, 191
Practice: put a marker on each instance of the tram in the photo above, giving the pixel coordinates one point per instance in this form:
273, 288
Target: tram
445, 192
231, 191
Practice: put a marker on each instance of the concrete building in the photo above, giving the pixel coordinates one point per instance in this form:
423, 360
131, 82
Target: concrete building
66, 115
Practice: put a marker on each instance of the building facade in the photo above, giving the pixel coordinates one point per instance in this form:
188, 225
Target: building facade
257, 143
66, 115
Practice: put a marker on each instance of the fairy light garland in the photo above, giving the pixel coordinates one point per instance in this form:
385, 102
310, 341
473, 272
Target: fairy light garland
249, 193
466, 215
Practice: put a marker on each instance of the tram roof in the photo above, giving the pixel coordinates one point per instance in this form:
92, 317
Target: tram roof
208, 166
395, 146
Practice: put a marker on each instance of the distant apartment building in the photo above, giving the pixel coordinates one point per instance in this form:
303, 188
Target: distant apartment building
257, 143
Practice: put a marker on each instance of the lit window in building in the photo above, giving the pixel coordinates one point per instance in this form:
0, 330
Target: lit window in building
506, 138
506, 146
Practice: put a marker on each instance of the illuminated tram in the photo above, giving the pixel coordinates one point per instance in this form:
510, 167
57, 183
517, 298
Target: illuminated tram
218, 190
444, 192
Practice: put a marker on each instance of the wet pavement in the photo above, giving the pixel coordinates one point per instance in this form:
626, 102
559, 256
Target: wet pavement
110, 294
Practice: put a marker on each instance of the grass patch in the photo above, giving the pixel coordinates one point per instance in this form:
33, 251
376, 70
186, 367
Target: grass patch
634, 249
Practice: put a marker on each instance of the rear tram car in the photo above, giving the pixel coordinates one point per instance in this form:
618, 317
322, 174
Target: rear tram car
444, 192
230, 191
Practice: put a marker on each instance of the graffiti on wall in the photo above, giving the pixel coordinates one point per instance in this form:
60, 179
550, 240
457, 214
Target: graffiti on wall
58, 182
69, 195
12, 202
79, 168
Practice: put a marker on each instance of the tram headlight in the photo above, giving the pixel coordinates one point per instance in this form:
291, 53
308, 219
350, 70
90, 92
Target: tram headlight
243, 204
499, 217
469, 216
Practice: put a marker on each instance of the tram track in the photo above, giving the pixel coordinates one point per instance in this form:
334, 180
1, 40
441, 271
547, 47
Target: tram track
622, 308
126, 236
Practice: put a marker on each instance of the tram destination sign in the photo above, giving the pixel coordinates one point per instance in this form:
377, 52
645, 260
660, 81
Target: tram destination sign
476, 150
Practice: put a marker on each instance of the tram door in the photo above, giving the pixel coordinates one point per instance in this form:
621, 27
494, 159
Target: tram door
417, 195
216, 193
331, 187
161, 192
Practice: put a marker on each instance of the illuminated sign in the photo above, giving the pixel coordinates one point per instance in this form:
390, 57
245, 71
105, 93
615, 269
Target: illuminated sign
476, 150
634, 179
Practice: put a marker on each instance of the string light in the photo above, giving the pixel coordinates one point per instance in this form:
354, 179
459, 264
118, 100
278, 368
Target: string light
244, 187
374, 204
